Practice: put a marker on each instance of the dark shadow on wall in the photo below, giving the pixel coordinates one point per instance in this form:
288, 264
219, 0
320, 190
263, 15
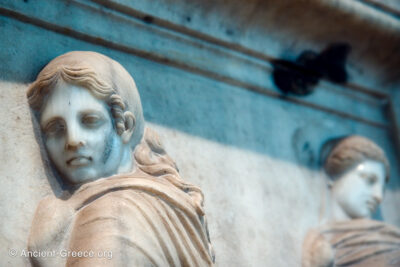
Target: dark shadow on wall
196, 105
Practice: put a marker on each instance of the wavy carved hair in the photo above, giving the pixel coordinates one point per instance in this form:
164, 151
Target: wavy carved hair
151, 158
84, 77
353, 150
105, 79
109, 81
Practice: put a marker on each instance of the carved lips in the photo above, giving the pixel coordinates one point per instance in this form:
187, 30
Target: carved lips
372, 204
79, 161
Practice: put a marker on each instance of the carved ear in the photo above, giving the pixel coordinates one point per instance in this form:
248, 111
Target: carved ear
130, 123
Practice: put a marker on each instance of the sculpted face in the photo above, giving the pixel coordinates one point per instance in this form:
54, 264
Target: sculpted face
79, 135
360, 190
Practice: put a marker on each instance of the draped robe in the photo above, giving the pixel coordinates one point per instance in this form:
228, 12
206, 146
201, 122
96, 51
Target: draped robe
141, 219
356, 243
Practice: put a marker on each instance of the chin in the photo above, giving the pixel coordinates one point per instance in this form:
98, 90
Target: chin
82, 176
363, 215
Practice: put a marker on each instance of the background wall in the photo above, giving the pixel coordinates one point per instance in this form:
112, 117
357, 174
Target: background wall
203, 69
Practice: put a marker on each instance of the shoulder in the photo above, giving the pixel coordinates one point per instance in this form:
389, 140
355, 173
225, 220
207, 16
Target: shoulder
317, 251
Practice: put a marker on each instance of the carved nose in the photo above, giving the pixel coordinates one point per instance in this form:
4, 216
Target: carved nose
73, 146
378, 196
73, 142
378, 199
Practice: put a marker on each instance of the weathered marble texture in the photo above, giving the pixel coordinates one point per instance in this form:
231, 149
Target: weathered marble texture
357, 170
218, 132
92, 126
359, 242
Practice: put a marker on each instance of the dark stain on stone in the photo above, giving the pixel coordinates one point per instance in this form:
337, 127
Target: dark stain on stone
306, 146
229, 32
301, 76
292, 78
148, 19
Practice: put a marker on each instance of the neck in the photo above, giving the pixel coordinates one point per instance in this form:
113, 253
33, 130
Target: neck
336, 212
126, 161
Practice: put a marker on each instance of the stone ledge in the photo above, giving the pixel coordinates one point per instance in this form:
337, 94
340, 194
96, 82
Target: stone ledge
190, 54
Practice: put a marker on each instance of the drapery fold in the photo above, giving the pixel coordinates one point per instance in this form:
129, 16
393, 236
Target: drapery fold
142, 220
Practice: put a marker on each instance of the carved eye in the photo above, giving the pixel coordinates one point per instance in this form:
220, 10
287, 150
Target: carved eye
92, 120
54, 127
371, 179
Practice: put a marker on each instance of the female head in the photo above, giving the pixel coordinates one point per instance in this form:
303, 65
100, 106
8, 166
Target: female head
90, 115
358, 170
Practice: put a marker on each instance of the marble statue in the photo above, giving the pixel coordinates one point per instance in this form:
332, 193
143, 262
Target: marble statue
123, 197
357, 170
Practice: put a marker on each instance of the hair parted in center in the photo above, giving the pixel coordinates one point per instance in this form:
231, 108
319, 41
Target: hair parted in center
80, 76
351, 151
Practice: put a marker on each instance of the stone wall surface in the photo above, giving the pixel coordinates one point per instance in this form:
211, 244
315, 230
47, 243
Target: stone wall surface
253, 152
